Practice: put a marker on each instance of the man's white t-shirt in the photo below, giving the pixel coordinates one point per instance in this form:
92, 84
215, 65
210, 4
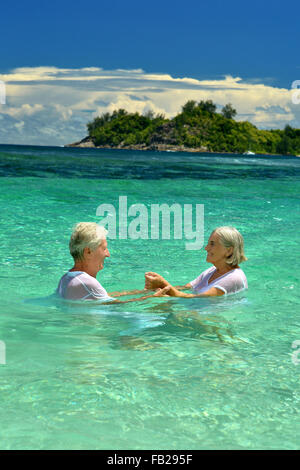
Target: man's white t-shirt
78, 285
230, 283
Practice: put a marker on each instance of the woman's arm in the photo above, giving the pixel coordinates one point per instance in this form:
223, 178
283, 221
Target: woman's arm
173, 292
152, 280
155, 281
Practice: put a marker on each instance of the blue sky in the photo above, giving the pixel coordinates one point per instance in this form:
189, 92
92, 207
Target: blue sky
256, 41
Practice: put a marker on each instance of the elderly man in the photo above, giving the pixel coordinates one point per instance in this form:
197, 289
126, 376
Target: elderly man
88, 247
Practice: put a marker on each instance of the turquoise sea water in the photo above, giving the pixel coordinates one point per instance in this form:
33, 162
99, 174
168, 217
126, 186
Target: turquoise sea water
159, 374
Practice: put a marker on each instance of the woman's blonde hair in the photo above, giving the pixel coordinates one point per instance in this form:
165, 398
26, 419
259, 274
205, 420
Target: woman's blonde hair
231, 237
86, 234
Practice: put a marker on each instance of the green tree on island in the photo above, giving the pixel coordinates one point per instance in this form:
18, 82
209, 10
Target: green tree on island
198, 126
228, 111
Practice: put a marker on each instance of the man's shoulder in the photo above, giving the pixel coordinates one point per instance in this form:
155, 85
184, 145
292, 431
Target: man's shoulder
84, 277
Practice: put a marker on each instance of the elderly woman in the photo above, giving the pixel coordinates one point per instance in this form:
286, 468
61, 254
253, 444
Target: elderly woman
225, 250
88, 247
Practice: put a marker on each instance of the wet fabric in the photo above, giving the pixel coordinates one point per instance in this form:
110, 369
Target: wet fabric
78, 285
230, 283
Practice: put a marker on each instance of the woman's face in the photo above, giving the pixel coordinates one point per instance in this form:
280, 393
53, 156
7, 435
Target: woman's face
216, 252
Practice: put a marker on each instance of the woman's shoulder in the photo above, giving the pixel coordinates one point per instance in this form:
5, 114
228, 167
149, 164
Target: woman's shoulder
208, 271
242, 275
235, 278
236, 273
239, 272
202, 276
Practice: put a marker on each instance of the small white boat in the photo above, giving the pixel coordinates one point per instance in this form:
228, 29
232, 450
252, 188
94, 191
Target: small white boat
249, 153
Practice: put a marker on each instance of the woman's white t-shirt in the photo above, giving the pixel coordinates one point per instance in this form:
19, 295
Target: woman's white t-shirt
230, 283
78, 285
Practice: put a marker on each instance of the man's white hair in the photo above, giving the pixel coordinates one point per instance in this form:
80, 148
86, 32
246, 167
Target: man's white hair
86, 234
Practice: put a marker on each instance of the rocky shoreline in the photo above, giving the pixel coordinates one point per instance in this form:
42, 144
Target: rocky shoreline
88, 143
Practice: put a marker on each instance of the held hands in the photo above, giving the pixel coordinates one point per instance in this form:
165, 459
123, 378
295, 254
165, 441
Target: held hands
154, 281
164, 292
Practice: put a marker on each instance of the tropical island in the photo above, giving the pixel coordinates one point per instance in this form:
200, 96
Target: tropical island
197, 128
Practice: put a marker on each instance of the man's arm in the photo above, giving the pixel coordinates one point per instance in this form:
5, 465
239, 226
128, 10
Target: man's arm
143, 291
116, 301
127, 292
173, 292
156, 281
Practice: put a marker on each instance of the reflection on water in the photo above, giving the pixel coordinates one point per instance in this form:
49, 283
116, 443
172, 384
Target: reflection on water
198, 318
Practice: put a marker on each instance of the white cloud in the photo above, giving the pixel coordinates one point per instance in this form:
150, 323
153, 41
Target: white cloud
51, 106
19, 125
24, 110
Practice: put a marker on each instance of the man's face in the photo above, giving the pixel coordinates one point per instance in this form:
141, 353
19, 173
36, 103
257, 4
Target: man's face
98, 256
